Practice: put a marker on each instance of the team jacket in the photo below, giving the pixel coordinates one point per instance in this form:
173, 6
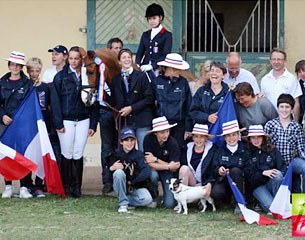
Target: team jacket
173, 99
12, 93
154, 50
140, 97
261, 161
224, 157
205, 102
66, 102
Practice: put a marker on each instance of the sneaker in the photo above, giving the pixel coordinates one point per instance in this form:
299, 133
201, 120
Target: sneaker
24, 193
8, 191
39, 194
123, 209
237, 210
152, 205
257, 208
107, 188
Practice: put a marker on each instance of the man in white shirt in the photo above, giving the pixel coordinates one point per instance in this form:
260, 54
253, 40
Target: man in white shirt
279, 80
237, 74
59, 58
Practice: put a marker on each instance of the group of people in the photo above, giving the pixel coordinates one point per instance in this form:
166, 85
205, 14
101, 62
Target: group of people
166, 122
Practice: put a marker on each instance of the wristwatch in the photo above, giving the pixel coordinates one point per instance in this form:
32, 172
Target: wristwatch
156, 160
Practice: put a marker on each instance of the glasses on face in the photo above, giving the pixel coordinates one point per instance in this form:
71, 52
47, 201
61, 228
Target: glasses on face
277, 59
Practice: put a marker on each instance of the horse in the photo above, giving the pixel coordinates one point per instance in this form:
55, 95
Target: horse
99, 68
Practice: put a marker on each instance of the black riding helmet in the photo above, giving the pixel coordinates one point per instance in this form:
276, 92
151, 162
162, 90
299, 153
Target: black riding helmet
154, 10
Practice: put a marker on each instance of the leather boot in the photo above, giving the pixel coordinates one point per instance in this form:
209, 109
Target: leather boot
77, 173
66, 174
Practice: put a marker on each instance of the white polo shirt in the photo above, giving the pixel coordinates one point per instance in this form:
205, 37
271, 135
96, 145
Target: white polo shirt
243, 76
273, 88
49, 74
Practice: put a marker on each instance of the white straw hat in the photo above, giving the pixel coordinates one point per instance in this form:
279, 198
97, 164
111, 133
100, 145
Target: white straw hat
174, 60
230, 127
201, 129
160, 124
256, 130
17, 57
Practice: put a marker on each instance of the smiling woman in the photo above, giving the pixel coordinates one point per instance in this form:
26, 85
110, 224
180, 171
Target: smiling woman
208, 98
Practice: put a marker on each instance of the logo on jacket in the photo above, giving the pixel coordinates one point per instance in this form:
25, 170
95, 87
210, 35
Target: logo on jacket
160, 87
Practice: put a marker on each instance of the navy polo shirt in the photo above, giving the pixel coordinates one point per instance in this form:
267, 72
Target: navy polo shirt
169, 151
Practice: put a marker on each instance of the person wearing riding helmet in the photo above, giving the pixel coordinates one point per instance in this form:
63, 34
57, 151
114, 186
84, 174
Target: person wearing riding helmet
155, 43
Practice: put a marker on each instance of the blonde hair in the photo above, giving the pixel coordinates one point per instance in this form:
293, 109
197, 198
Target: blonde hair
34, 62
206, 66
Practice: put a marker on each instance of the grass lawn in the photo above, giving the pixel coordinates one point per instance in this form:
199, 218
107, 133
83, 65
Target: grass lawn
96, 217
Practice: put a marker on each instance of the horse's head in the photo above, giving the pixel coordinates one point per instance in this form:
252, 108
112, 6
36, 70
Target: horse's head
89, 78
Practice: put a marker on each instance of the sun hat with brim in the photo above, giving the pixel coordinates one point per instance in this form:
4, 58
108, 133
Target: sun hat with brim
201, 129
256, 130
160, 124
230, 127
17, 57
126, 133
174, 60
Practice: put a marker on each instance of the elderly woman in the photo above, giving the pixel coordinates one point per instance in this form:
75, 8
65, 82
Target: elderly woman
209, 97
204, 78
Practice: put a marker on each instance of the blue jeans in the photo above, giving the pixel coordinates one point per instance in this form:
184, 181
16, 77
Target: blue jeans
140, 134
163, 176
109, 140
139, 197
265, 193
298, 169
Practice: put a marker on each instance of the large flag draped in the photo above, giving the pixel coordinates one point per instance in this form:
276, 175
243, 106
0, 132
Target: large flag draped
27, 134
226, 113
249, 216
281, 206
13, 165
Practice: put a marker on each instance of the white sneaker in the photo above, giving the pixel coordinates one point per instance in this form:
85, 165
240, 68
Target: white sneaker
8, 191
152, 205
176, 208
123, 209
24, 193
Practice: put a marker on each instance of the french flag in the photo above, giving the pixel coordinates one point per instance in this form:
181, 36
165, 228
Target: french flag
27, 134
281, 207
226, 113
13, 165
249, 216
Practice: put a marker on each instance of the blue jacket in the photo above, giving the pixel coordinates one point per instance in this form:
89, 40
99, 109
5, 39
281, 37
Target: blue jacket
224, 157
154, 50
205, 102
66, 102
137, 157
173, 99
140, 97
12, 93
261, 161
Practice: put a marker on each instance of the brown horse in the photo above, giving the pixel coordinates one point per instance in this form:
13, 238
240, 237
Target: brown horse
100, 65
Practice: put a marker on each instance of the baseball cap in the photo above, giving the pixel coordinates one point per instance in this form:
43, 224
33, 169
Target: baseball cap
59, 49
126, 133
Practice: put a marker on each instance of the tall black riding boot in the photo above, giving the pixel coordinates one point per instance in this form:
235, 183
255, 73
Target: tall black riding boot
77, 173
66, 174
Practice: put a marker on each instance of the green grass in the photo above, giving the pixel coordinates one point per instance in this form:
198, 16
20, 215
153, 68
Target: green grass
96, 217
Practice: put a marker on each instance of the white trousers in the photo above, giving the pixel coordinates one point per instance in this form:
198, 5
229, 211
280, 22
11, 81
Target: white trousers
73, 140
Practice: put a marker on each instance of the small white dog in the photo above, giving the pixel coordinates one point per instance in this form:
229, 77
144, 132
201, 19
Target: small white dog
186, 194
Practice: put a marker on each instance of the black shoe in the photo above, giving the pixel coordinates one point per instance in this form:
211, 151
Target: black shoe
107, 188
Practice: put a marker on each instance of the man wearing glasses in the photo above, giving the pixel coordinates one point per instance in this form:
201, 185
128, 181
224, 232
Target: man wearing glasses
236, 74
279, 80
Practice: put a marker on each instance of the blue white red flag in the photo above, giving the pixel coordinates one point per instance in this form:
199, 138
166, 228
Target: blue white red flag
13, 165
27, 134
281, 207
249, 215
226, 113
